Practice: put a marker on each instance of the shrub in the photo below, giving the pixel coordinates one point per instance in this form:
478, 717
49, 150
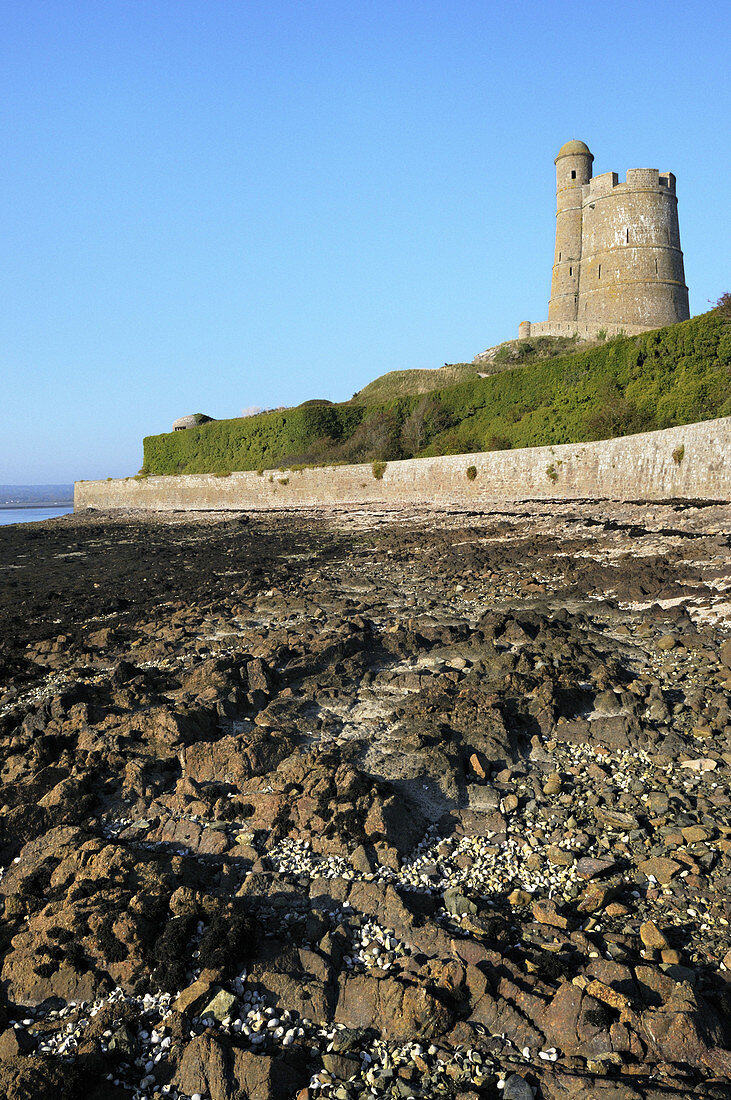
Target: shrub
283, 481
379, 469
424, 422
676, 375
471, 473
377, 437
552, 472
723, 306
679, 454
497, 443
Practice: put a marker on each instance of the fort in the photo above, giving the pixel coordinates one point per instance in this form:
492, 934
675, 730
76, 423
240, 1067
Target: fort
618, 265
658, 392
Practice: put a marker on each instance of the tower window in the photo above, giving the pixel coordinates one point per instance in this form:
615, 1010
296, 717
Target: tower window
559, 257
571, 271
626, 236
656, 267
573, 175
600, 271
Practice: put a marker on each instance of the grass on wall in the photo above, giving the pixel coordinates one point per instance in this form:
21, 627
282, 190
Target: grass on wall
676, 375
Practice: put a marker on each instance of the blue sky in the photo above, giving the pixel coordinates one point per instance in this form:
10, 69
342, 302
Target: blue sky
210, 206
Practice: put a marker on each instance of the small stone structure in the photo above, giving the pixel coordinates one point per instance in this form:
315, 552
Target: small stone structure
191, 421
618, 265
690, 462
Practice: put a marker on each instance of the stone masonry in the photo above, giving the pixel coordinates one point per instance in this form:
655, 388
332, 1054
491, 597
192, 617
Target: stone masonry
688, 462
618, 265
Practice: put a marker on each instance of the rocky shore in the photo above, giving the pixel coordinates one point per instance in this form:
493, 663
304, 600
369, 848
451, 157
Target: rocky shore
371, 804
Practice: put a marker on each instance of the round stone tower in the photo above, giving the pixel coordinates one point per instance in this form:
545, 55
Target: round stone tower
631, 261
573, 170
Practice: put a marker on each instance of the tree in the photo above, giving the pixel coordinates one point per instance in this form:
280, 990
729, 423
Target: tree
426, 420
723, 306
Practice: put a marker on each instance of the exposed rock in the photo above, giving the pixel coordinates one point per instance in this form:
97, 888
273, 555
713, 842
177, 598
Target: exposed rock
355, 798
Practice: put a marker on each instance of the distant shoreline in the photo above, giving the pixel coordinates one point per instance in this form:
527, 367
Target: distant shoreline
22, 505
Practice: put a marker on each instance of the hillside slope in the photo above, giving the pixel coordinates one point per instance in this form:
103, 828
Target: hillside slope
675, 375
505, 356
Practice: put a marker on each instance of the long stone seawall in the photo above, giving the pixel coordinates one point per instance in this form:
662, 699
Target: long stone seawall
692, 462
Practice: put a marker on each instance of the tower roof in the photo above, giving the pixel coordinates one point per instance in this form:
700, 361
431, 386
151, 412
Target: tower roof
574, 148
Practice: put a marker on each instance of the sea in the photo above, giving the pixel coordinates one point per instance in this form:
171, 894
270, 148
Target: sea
32, 503
32, 515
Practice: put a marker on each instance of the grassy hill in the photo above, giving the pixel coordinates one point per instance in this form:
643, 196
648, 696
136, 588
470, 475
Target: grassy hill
675, 375
409, 383
505, 356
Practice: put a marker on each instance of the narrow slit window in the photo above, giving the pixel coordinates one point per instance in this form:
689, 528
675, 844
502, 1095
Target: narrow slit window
559, 257
626, 236
600, 271
571, 271
573, 175
656, 267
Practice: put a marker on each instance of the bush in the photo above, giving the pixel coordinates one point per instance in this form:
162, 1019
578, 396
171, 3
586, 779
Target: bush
679, 454
424, 422
676, 375
552, 473
377, 437
497, 443
379, 469
250, 443
723, 306
471, 473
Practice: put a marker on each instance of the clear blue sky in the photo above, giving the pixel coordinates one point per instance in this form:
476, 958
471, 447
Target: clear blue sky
211, 205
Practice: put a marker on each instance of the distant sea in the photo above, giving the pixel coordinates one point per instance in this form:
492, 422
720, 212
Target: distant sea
32, 503
32, 515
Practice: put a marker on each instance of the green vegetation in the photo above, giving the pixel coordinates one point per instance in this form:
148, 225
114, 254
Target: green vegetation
679, 454
676, 375
552, 472
379, 469
250, 443
410, 383
534, 349
471, 473
413, 383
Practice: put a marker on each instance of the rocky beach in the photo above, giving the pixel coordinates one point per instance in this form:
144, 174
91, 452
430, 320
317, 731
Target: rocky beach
367, 804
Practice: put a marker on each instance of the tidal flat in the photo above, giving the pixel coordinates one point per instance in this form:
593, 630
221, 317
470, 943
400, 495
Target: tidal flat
367, 803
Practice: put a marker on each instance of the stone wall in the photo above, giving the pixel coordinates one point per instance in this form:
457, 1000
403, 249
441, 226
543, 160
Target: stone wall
618, 262
691, 462
583, 329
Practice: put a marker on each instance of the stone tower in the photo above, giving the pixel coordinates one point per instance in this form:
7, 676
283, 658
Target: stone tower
618, 265
573, 170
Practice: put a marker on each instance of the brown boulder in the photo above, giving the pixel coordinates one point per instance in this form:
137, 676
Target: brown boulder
15, 1041
660, 868
212, 1067
399, 1010
576, 1023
